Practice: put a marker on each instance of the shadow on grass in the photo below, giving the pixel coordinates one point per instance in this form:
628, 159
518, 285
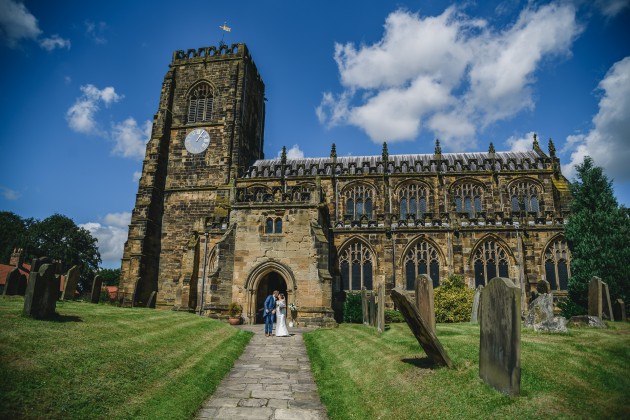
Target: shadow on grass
423, 363
64, 318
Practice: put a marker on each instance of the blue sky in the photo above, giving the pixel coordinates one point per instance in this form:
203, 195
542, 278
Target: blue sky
80, 81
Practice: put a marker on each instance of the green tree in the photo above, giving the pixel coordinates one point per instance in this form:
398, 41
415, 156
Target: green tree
110, 276
58, 237
453, 300
598, 234
13, 234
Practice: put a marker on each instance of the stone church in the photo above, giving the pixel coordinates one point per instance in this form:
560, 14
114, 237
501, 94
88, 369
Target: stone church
215, 222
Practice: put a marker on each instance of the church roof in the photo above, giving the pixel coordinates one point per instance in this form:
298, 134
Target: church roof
412, 163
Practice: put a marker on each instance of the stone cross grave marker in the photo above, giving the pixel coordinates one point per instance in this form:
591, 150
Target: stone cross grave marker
619, 309
12, 283
595, 297
380, 322
500, 336
372, 307
420, 329
424, 300
607, 311
364, 306
70, 286
42, 291
97, 285
474, 317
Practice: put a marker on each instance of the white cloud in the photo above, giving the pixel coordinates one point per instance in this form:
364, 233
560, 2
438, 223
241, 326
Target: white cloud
136, 176
523, 144
54, 42
451, 74
118, 219
111, 237
16, 23
8, 193
611, 8
293, 153
80, 116
608, 141
96, 31
130, 138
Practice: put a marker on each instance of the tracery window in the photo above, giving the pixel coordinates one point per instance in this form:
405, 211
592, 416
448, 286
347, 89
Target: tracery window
558, 265
200, 103
468, 198
422, 258
273, 225
413, 200
490, 261
356, 267
359, 201
524, 196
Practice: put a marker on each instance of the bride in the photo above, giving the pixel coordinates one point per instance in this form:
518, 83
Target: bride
281, 312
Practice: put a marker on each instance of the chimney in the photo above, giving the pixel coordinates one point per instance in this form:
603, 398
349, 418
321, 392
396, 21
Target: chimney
17, 257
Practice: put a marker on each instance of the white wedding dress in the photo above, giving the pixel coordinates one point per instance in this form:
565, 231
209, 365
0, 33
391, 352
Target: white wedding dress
281, 324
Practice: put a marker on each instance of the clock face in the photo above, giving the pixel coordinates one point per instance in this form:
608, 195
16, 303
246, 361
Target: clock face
197, 141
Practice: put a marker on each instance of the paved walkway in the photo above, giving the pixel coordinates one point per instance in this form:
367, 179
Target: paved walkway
271, 380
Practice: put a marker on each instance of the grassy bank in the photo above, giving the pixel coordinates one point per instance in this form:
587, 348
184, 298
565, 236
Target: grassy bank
100, 361
364, 375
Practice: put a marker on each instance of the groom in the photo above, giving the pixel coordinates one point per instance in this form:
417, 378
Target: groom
269, 311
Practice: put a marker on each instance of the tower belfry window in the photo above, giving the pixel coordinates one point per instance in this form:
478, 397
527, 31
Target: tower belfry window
200, 103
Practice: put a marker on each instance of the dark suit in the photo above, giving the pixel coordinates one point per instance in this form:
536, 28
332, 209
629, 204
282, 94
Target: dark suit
270, 304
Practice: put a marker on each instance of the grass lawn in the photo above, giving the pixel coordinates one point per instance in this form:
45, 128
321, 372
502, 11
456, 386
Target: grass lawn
362, 374
100, 361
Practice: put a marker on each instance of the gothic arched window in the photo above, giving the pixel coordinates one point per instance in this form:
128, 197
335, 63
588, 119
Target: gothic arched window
359, 201
525, 196
422, 258
558, 265
273, 225
489, 261
356, 266
200, 102
468, 198
413, 201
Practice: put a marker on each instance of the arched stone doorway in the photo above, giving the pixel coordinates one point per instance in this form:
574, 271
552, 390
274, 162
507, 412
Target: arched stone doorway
270, 282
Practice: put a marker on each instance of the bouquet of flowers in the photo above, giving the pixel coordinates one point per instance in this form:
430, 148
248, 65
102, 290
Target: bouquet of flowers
292, 307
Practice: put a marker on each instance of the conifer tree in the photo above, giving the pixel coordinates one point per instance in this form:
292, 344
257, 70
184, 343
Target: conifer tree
598, 234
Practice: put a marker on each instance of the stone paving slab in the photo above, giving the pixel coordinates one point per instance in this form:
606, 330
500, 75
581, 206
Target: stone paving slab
271, 380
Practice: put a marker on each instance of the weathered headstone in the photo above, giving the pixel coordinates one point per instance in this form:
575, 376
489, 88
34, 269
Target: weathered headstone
424, 299
364, 306
151, 301
42, 291
543, 286
12, 283
372, 307
97, 285
607, 312
500, 337
595, 297
22, 282
474, 317
619, 310
380, 322
586, 321
420, 329
540, 315
70, 286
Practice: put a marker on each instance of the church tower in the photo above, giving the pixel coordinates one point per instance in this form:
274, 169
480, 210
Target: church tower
208, 128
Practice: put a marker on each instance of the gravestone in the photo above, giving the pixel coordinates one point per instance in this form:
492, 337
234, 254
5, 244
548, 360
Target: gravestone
619, 310
70, 286
540, 315
607, 312
372, 307
476, 308
22, 285
424, 299
42, 291
380, 322
420, 329
12, 283
586, 321
364, 306
595, 297
151, 301
97, 285
543, 286
500, 336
